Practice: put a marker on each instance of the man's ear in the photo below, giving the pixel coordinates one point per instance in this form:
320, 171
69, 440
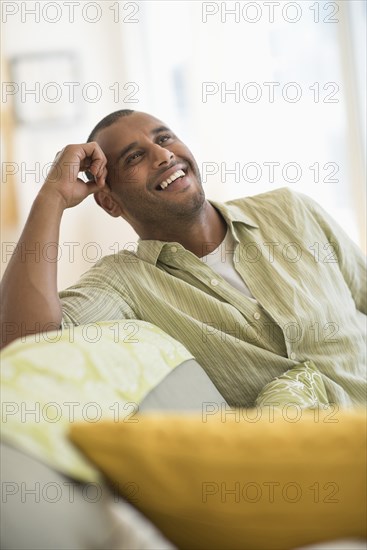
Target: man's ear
108, 203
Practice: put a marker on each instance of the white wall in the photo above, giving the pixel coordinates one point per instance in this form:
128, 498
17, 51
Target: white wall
100, 56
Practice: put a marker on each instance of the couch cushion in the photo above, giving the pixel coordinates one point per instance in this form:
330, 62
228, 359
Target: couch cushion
92, 372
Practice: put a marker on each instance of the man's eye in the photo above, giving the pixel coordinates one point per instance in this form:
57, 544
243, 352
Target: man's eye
163, 138
134, 156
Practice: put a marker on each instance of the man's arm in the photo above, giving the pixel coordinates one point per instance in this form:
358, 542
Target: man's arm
30, 302
351, 260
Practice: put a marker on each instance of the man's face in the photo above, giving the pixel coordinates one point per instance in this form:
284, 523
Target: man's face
142, 156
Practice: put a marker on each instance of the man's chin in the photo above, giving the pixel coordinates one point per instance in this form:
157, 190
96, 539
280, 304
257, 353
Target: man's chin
189, 208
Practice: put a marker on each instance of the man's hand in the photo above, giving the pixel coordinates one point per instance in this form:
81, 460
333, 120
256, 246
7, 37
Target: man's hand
63, 180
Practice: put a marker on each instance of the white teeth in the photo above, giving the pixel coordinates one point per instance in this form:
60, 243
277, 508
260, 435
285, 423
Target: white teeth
177, 174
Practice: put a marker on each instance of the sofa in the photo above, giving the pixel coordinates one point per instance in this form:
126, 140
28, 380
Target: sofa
113, 436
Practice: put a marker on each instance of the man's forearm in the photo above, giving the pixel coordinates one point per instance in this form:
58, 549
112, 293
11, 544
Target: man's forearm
30, 302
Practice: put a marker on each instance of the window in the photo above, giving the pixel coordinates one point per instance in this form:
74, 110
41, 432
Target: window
264, 95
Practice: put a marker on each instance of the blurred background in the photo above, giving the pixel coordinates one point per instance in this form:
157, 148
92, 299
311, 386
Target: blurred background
266, 94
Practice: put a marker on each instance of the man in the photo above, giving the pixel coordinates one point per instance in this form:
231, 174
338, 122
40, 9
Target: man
252, 287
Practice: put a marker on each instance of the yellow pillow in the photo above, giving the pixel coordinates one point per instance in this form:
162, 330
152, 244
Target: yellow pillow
243, 480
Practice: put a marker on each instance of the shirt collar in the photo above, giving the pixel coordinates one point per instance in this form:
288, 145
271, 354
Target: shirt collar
233, 213
150, 250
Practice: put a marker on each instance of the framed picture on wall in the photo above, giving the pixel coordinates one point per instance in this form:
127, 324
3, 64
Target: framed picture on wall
46, 88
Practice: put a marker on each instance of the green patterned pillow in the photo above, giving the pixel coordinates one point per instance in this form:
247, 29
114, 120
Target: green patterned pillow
94, 372
302, 386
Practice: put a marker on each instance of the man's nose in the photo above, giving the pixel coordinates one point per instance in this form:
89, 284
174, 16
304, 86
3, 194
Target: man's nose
161, 156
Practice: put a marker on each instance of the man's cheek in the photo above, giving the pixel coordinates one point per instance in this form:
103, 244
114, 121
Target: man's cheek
116, 177
130, 176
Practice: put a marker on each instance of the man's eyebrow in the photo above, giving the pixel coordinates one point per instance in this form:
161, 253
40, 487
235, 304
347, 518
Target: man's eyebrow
160, 129
131, 146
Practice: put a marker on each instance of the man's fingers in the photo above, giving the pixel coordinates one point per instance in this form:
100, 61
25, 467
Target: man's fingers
70, 162
58, 155
93, 166
91, 187
96, 168
101, 177
87, 155
95, 153
95, 160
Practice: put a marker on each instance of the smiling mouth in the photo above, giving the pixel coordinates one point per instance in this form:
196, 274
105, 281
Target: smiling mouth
176, 175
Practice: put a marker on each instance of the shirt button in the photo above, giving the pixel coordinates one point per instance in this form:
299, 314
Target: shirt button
257, 315
173, 248
293, 355
214, 282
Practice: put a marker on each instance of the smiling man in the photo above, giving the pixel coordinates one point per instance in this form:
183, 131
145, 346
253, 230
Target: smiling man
252, 287
153, 177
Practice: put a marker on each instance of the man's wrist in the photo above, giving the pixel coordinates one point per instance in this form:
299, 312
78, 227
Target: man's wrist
52, 199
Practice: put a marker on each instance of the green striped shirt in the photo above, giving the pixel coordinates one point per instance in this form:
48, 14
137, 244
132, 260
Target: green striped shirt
309, 283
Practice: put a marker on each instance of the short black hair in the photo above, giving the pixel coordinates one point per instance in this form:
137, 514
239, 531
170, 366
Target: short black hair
108, 120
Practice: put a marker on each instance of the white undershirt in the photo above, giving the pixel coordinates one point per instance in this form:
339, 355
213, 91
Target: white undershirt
221, 261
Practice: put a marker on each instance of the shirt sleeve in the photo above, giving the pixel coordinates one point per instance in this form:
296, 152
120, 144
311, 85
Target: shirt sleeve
351, 260
99, 295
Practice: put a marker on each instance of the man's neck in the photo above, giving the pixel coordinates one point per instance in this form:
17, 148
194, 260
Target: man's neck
201, 235
206, 234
